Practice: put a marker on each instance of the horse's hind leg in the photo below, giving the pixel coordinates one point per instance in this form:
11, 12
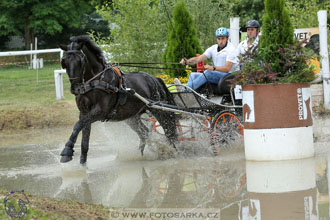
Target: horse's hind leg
142, 131
168, 122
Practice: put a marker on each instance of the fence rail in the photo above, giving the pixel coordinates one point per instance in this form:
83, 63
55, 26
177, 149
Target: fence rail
29, 52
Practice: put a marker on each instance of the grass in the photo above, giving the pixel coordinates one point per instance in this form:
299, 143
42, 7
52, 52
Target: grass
25, 87
28, 99
40, 207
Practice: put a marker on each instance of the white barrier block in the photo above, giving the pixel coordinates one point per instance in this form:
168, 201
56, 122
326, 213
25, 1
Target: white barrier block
278, 143
59, 83
41, 63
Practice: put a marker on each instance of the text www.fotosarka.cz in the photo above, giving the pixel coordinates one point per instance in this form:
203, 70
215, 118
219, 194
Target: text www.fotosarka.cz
165, 213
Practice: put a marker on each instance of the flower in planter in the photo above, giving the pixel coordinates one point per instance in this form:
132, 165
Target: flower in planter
294, 61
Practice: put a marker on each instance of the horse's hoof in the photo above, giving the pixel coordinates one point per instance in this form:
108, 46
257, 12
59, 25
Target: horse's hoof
83, 161
84, 165
141, 147
65, 159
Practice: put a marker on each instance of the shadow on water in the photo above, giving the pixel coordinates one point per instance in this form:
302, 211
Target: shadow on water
117, 176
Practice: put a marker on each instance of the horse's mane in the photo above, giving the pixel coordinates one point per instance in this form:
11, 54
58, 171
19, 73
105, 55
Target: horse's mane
88, 43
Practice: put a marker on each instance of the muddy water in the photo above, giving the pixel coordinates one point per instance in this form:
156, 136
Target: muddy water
117, 175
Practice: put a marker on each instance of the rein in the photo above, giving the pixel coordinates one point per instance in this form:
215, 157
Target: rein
138, 65
161, 68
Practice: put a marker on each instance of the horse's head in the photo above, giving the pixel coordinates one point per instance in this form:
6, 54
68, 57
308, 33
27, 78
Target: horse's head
82, 60
74, 61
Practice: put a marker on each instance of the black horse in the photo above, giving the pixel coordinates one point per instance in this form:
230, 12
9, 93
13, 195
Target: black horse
101, 95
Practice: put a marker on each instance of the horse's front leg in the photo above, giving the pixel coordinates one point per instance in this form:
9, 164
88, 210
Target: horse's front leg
84, 121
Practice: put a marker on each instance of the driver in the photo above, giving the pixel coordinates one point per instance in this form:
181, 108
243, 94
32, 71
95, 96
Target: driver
223, 57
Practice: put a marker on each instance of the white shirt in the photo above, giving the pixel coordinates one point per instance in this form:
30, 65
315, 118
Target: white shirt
220, 58
243, 46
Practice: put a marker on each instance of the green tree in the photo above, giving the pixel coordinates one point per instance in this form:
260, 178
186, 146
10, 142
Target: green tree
88, 24
245, 9
182, 39
138, 30
207, 17
29, 18
277, 32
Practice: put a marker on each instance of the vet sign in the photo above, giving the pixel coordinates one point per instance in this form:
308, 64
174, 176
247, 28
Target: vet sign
306, 33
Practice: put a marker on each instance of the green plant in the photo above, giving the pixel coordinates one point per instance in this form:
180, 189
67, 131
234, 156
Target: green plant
295, 63
137, 31
278, 58
277, 32
182, 38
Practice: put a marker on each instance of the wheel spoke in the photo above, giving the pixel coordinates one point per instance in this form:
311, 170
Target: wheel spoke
225, 129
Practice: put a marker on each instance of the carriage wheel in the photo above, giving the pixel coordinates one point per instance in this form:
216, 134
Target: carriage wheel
226, 128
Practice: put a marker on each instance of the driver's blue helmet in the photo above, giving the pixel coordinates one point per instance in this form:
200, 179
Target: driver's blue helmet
222, 32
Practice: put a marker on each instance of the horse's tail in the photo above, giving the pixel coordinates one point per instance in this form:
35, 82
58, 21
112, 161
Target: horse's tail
169, 95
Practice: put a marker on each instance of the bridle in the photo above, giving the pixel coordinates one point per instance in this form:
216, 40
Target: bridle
83, 62
84, 87
82, 57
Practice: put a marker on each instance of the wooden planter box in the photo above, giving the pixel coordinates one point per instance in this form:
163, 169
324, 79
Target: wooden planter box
277, 121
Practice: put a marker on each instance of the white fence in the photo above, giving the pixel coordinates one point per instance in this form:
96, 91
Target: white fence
29, 52
35, 63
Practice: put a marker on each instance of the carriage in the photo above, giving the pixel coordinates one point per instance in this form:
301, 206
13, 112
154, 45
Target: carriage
104, 93
214, 113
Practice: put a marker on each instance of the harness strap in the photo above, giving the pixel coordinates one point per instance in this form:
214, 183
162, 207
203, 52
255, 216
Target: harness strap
119, 74
101, 84
95, 84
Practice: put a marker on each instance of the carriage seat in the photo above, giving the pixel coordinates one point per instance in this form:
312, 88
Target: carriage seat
220, 89
223, 86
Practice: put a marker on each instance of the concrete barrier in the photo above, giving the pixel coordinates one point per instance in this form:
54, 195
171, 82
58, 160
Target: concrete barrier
277, 121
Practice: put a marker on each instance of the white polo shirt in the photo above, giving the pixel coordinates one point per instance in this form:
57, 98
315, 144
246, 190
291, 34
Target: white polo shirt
220, 58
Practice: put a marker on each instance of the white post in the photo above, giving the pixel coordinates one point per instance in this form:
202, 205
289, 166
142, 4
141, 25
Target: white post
35, 63
41, 63
31, 60
234, 31
322, 17
328, 168
59, 83
61, 55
